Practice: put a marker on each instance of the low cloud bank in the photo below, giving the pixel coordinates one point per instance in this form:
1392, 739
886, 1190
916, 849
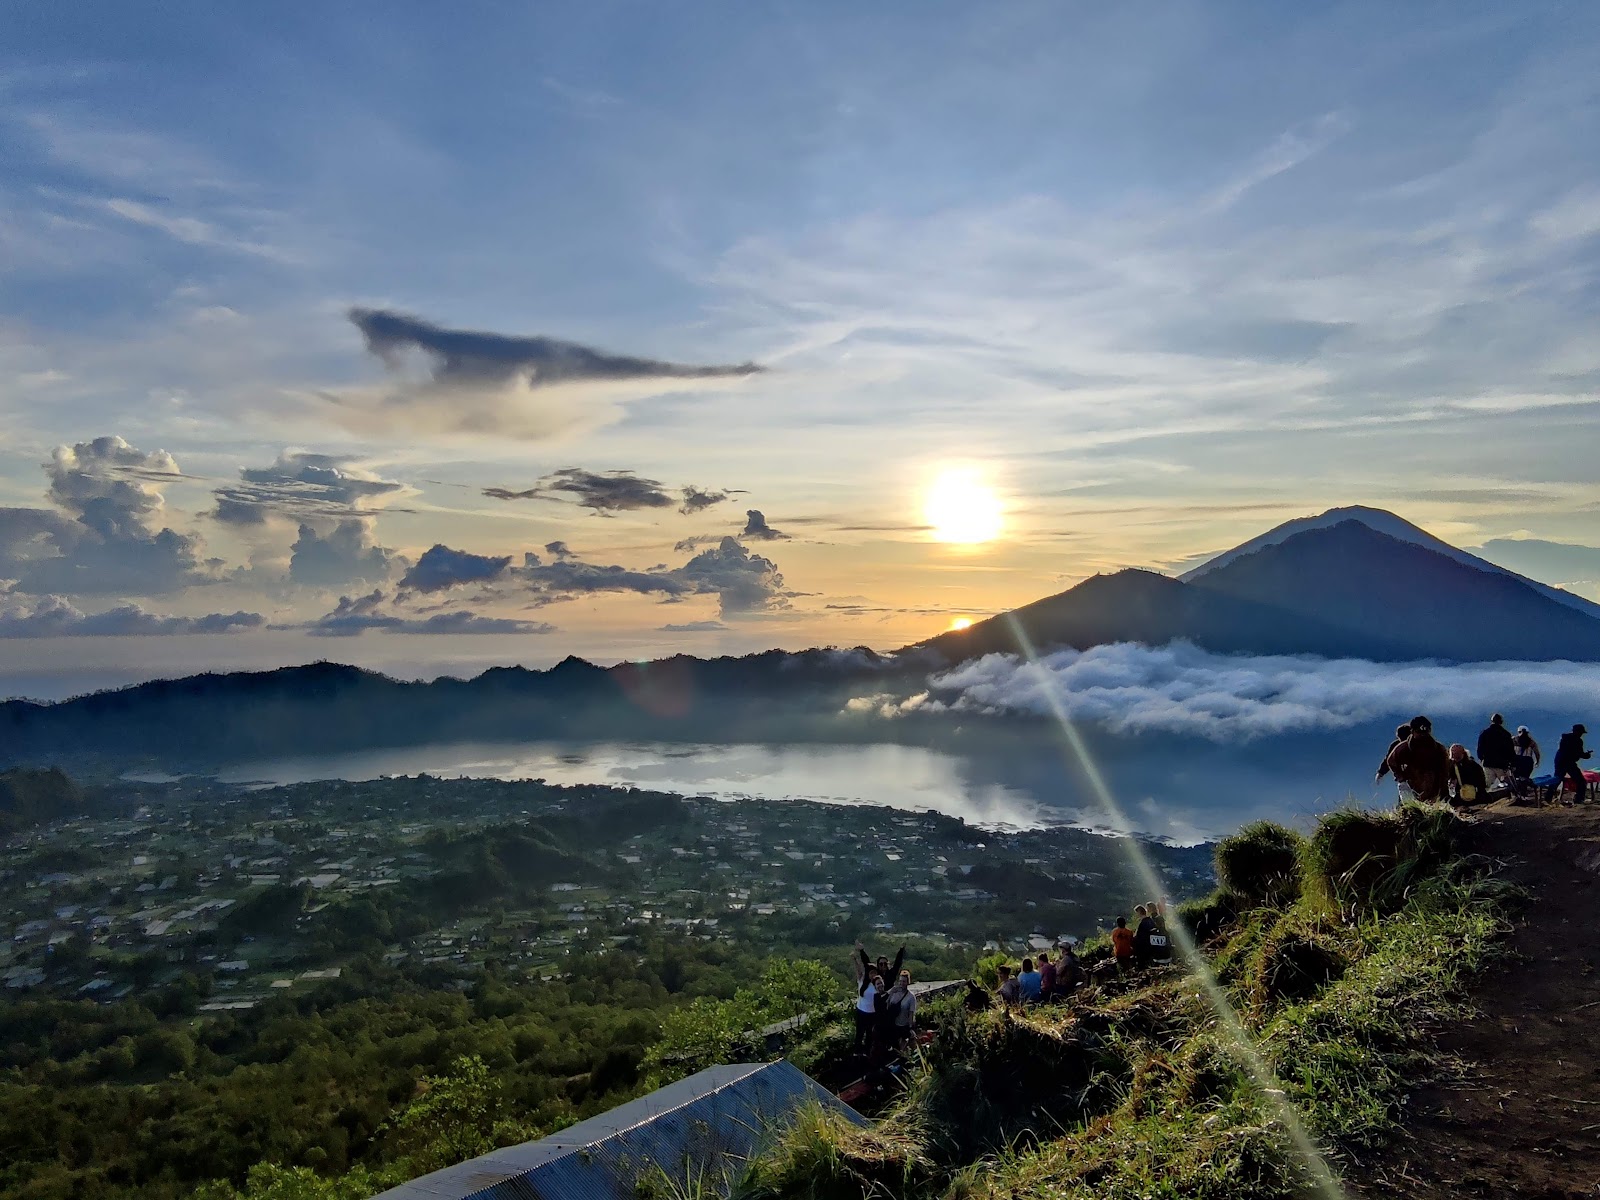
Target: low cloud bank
1133, 689
54, 616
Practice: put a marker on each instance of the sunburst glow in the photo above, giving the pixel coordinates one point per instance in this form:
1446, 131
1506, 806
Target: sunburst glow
959, 623
960, 507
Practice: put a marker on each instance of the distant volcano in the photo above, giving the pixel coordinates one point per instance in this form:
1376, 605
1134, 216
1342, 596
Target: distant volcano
1351, 583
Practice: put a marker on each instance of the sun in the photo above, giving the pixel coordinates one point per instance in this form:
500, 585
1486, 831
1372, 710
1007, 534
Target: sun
961, 508
957, 624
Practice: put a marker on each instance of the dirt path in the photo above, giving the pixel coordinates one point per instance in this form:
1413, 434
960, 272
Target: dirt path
1524, 1120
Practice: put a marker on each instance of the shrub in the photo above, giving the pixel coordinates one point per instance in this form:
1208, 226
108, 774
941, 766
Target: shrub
1206, 918
1261, 864
824, 1156
1362, 860
1295, 963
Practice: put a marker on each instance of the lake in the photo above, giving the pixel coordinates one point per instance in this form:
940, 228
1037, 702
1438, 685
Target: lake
1012, 790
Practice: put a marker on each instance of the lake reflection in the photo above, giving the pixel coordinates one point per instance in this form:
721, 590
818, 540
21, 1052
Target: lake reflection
909, 777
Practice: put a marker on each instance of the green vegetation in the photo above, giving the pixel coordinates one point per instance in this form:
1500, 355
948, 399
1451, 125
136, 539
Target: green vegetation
32, 797
1135, 1089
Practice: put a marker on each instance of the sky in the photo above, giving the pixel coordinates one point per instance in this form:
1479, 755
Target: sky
433, 337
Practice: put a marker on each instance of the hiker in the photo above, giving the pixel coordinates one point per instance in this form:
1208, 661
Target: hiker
1400, 735
1010, 990
1160, 945
1047, 978
1527, 754
1468, 779
867, 1010
1420, 762
863, 966
900, 1011
1030, 983
1070, 975
1496, 751
1122, 945
1143, 924
1568, 754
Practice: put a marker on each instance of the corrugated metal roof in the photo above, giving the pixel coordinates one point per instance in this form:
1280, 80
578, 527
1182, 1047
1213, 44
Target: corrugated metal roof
704, 1126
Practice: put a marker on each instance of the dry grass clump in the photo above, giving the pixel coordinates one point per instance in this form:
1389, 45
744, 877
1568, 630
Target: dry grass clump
1261, 864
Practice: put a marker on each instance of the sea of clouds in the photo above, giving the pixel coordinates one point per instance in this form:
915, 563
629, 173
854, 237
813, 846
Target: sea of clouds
1181, 689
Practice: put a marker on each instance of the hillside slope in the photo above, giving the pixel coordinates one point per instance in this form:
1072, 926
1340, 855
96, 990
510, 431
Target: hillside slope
1523, 1116
1355, 578
1142, 606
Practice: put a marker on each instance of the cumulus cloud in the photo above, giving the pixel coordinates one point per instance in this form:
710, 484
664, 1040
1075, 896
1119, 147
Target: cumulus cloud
343, 556
757, 529
440, 567
744, 582
103, 537
302, 486
609, 492
1133, 689
54, 616
355, 615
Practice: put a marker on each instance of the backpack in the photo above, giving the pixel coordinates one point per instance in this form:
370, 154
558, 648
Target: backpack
1160, 947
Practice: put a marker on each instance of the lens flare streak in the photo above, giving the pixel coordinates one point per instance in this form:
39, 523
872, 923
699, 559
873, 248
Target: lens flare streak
1239, 1038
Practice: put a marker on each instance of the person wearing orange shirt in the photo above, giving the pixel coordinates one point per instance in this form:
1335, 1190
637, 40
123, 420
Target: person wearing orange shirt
1122, 945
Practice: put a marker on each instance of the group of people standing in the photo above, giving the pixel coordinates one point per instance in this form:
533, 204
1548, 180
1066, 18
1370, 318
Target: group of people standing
886, 1013
1425, 770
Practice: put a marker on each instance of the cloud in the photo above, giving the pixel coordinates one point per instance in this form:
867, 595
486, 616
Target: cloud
695, 627
698, 499
1133, 689
471, 356
300, 486
608, 492
53, 616
107, 542
1558, 562
757, 529
558, 550
343, 556
353, 616
440, 567
744, 583
457, 381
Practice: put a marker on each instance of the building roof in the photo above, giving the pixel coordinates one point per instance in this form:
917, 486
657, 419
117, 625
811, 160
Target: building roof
703, 1126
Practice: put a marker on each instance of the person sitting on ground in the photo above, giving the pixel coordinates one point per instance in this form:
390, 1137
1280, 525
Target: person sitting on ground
1528, 754
1420, 762
1496, 750
1122, 945
900, 1007
1010, 990
1569, 753
866, 1011
1400, 735
1070, 975
1047, 978
1030, 982
1468, 780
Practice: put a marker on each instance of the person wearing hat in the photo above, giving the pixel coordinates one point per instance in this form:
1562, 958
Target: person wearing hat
1568, 755
1495, 751
1420, 762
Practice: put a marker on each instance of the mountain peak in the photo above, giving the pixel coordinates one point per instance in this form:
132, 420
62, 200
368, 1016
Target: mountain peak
1391, 525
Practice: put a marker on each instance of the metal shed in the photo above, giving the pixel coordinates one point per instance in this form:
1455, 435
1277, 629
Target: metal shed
702, 1127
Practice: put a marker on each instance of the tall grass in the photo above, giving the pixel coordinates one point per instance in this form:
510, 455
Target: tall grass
1128, 1094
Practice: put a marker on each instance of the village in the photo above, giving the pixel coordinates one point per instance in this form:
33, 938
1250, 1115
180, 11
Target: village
229, 894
